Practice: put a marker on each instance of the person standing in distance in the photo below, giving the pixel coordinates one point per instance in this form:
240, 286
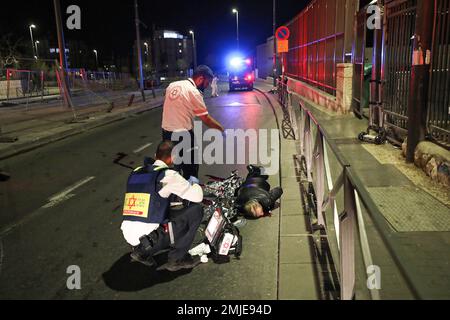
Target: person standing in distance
215, 87
183, 103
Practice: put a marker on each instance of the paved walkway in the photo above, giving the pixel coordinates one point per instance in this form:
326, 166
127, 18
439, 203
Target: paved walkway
305, 272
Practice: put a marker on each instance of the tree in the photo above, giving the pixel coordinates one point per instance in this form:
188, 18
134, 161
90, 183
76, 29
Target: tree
9, 52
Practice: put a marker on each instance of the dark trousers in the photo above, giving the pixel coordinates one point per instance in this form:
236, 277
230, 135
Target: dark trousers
185, 223
187, 169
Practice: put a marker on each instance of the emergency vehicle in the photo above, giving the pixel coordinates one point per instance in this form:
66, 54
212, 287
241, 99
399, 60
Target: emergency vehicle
241, 74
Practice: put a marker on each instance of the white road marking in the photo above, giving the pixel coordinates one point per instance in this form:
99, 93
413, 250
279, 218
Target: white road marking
143, 148
65, 194
54, 200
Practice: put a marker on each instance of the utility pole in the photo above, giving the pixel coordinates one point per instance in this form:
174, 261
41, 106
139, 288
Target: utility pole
32, 38
274, 43
420, 77
62, 54
139, 51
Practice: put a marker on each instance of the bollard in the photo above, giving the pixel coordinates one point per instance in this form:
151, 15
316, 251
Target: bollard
131, 100
111, 107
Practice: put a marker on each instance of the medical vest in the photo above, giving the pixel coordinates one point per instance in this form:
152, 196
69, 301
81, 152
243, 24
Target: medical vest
142, 200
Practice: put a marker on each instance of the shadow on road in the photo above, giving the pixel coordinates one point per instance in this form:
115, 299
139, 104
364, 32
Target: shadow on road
128, 276
4, 176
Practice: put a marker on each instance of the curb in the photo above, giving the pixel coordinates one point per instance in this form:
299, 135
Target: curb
24, 147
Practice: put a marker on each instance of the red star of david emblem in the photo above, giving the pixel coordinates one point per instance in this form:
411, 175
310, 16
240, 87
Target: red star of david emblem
175, 93
132, 202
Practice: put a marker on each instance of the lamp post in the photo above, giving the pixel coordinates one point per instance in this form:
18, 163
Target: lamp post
146, 54
138, 45
37, 48
194, 45
96, 58
235, 11
146, 48
32, 26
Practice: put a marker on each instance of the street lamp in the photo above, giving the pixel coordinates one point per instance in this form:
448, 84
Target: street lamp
235, 11
146, 53
37, 48
194, 45
32, 26
96, 58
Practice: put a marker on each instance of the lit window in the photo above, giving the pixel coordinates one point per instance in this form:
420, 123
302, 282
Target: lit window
172, 35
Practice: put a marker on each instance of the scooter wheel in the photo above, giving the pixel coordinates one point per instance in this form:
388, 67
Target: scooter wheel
378, 140
361, 136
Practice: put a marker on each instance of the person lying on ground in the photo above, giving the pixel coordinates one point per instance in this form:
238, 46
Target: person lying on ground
255, 199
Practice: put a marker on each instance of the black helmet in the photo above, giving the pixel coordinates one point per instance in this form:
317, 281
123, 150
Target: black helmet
203, 71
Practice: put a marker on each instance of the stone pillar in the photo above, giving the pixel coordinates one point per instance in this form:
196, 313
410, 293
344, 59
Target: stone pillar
344, 87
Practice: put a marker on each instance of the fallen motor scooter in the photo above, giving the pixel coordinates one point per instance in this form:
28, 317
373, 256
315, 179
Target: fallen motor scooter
221, 233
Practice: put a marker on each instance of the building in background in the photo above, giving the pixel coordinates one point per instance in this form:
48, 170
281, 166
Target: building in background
264, 59
173, 54
168, 54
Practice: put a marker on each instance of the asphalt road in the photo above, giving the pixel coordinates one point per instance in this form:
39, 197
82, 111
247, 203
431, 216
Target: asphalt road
62, 207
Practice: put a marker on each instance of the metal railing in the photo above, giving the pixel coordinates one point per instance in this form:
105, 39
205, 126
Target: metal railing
20, 84
342, 216
317, 43
439, 91
400, 21
287, 126
359, 61
345, 220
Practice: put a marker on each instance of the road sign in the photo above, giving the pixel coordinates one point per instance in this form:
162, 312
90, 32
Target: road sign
283, 33
283, 46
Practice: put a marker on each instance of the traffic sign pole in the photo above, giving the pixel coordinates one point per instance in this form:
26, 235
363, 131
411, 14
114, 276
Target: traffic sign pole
282, 34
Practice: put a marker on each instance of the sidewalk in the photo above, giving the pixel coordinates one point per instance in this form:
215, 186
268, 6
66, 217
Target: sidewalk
23, 129
417, 209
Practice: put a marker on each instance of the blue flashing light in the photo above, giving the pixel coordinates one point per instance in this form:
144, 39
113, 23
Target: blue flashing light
236, 62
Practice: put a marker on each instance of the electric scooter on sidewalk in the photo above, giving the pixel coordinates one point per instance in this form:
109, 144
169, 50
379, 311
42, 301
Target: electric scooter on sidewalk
375, 133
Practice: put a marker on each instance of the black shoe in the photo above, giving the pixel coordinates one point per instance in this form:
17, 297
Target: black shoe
253, 171
138, 255
187, 262
276, 194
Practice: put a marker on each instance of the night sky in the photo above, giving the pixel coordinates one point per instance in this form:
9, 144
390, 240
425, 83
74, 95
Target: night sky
109, 25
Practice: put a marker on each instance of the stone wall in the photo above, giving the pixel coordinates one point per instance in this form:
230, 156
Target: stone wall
341, 104
433, 160
344, 87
